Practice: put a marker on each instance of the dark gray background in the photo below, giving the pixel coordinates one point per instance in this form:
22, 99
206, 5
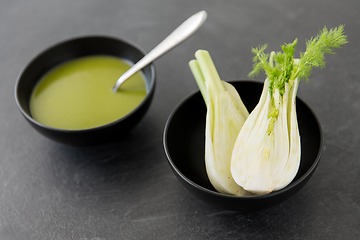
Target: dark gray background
126, 190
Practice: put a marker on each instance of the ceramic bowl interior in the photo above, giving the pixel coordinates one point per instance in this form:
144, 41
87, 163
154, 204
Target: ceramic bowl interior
72, 49
184, 145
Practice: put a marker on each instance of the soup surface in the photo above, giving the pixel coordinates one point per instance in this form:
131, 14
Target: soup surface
77, 94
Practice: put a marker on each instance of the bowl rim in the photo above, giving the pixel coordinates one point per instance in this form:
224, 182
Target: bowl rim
290, 186
149, 92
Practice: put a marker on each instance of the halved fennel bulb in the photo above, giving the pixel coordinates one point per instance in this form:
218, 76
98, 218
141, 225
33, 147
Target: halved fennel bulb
223, 123
264, 161
225, 116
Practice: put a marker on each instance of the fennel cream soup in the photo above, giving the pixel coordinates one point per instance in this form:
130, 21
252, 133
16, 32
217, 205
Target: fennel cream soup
77, 94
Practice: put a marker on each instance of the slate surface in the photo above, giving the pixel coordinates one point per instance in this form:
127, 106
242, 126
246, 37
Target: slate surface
126, 190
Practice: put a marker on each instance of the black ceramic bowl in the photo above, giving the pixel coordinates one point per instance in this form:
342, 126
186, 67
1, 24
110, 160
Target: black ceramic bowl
75, 48
184, 144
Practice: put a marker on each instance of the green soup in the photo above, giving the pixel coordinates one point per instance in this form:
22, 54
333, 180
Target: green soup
77, 94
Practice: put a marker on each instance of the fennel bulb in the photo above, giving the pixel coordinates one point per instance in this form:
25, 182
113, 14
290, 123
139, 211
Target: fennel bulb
225, 116
266, 154
263, 162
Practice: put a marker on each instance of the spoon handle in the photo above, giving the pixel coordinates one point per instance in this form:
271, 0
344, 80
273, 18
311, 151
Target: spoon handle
182, 32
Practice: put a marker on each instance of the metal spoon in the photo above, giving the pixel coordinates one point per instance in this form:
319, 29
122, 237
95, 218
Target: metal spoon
182, 32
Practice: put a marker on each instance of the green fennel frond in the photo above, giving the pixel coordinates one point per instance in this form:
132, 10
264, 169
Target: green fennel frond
260, 60
316, 48
286, 68
282, 67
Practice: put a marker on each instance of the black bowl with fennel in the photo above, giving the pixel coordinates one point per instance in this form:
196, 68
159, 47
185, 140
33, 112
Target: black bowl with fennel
184, 145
